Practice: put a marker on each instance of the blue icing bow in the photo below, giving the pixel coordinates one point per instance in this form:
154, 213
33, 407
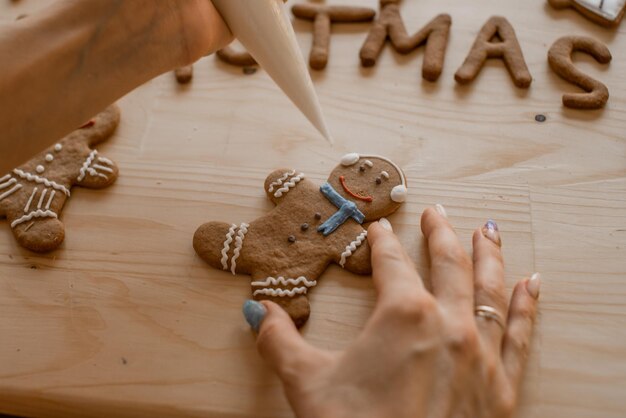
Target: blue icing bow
347, 209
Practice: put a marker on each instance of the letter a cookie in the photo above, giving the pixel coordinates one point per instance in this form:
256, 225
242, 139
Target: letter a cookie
287, 250
32, 195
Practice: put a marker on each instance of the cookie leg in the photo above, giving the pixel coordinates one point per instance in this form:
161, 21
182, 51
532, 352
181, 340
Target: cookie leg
39, 234
289, 293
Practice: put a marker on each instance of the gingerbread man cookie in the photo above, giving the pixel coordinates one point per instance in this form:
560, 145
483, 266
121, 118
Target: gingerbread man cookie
287, 250
604, 12
32, 195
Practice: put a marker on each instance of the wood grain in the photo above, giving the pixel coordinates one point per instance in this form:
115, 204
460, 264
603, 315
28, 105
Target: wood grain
125, 320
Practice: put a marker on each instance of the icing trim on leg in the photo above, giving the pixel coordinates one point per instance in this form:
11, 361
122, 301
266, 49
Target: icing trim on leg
10, 192
282, 292
352, 247
36, 214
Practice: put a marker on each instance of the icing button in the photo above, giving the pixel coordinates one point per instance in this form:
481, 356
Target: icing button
58, 147
291, 239
49, 158
40, 169
304, 226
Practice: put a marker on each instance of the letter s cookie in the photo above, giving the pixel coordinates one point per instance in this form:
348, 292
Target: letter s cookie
286, 251
32, 195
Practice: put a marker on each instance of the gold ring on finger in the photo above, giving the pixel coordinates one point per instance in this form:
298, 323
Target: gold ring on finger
488, 312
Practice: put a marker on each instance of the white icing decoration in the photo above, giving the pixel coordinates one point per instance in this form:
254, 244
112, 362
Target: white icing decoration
40, 169
58, 147
399, 193
43, 196
10, 192
289, 185
105, 161
609, 9
280, 180
86, 167
281, 292
103, 168
384, 174
243, 229
368, 163
42, 180
350, 159
229, 239
351, 248
271, 281
30, 200
50, 199
5, 178
49, 158
36, 214
7, 184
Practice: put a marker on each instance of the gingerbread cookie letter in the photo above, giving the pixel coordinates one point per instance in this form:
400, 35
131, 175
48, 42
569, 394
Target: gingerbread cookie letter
323, 17
390, 26
230, 56
603, 12
506, 48
32, 195
184, 74
560, 59
287, 250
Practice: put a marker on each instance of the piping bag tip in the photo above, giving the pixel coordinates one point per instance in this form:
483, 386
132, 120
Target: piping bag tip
264, 28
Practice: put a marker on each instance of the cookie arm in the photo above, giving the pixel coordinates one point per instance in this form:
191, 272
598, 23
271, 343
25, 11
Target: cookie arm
284, 182
356, 256
97, 171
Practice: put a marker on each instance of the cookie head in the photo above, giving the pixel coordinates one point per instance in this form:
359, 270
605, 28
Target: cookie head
375, 184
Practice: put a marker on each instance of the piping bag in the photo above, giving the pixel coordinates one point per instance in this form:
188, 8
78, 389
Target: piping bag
263, 28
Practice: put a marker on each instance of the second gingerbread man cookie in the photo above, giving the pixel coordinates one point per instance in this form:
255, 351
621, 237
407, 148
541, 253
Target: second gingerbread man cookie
287, 250
32, 195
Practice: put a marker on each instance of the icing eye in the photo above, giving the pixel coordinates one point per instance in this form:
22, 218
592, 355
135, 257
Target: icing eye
378, 180
399, 193
362, 168
350, 159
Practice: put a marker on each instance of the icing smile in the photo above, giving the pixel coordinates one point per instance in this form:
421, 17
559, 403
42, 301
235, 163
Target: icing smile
342, 180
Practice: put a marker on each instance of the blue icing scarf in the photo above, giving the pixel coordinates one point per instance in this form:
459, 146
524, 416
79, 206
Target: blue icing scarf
347, 209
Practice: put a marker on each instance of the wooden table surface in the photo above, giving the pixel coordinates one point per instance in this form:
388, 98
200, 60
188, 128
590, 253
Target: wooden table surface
125, 320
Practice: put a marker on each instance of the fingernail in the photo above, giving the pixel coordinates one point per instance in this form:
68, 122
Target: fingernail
491, 232
254, 312
385, 224
533, 285
441, 210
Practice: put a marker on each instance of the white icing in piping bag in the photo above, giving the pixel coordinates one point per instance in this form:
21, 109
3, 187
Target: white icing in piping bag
264, 29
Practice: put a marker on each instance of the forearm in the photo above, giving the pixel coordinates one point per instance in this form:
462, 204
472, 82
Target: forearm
67, 63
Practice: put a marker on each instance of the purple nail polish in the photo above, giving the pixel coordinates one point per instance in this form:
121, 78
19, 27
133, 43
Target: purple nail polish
491, 225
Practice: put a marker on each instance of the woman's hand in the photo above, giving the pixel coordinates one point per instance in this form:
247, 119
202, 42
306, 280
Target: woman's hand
203, 29
67, 62
422, 353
